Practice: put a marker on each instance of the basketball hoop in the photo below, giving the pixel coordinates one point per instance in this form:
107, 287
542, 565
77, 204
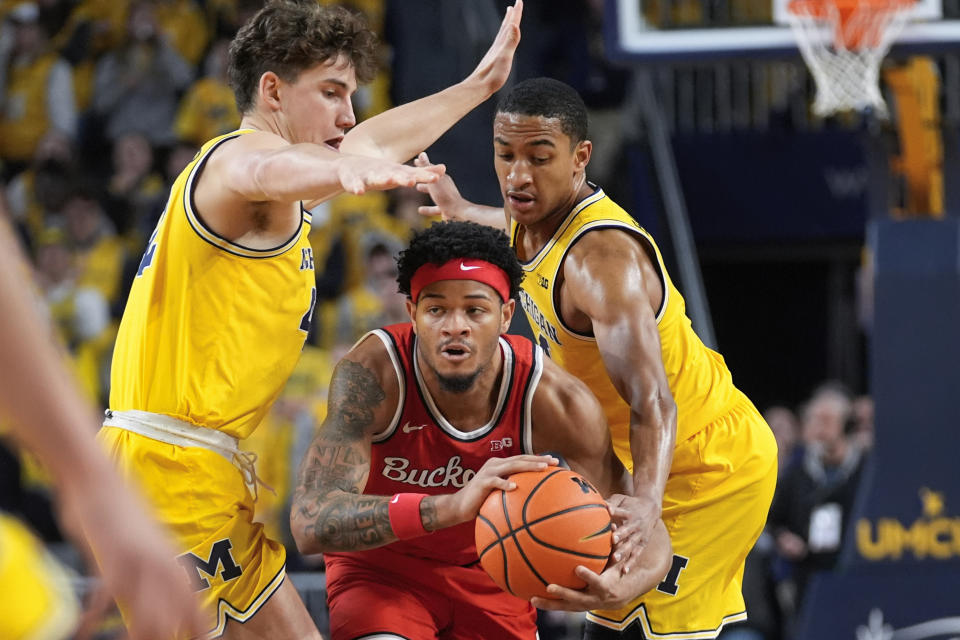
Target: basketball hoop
843, 43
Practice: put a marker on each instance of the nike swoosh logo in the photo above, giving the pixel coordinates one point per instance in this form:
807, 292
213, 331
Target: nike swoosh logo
395, 500
464, 267
407, 428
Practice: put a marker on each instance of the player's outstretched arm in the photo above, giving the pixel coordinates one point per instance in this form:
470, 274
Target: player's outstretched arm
402, 132
49, 417
568, 420
262, 167
610, 279
450, 205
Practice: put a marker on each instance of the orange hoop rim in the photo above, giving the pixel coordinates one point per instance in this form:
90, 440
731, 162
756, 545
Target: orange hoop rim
850, 34
846, 8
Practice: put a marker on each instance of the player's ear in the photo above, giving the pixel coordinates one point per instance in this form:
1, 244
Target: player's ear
581, 154
412, 312
269, 90
506, 314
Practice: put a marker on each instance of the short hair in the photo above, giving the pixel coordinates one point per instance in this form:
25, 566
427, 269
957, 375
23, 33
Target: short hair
549, 98
291, 36
445, 241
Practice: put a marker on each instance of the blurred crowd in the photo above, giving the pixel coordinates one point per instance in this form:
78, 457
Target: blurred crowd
102, 104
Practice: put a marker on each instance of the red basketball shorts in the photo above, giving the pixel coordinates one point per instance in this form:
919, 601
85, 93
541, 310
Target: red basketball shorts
380, 593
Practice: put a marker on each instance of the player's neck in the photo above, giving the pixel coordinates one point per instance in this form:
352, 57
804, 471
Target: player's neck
540, 233
473, 408
258, 121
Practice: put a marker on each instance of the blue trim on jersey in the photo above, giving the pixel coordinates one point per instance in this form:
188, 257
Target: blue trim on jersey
190, 207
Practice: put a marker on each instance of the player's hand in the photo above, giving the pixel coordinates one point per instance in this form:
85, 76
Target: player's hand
464, 505
607, 590
633, 521
359, 174
494, 67
791, 546
447, 201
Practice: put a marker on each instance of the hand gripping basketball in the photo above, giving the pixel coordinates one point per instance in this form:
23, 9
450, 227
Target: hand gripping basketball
464, 505
538, 534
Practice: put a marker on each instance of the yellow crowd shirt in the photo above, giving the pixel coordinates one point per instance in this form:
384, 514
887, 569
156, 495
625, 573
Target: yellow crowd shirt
699, 379
24, 119
212, 329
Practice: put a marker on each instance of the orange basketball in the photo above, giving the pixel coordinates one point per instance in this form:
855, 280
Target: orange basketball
538, 533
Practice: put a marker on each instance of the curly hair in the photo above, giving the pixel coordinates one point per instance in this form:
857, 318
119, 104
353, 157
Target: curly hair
551, 99
445, 241
291, 36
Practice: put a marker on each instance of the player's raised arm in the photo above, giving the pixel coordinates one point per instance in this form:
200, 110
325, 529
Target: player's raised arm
402, 132
450, 205
610, 279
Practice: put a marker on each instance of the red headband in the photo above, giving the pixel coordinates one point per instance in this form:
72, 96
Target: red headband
461, 269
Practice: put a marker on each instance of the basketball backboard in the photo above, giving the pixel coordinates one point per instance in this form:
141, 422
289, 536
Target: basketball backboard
698, 30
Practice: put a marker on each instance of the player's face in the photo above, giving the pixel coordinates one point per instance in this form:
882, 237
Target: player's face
540, 171
317, 106
458, 325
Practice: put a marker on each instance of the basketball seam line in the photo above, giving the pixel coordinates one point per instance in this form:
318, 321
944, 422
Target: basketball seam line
526, 527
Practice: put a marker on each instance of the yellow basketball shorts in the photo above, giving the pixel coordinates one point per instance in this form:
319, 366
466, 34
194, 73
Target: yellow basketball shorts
715, 506
204, 502
38, 602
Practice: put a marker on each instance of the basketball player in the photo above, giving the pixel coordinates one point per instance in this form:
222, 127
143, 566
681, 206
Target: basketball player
602, 306
47, 415
224, 295
436, 413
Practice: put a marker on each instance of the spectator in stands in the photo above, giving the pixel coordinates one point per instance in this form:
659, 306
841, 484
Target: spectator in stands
863, 432
786, 429
36, 195
99, 251
37, 92
811, 509
135, 190
373, 304
136, 86
91, 28
184, 26
80, 313
208, 109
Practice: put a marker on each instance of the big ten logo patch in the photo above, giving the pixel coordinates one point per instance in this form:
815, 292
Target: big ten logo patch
501, 445
220, 558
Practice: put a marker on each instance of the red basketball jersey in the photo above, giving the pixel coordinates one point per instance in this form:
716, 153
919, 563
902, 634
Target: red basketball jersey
421, 452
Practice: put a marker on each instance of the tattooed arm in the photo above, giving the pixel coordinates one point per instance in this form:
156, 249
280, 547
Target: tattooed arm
329, 511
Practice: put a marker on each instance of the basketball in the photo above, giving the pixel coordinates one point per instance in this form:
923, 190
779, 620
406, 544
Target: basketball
538, 533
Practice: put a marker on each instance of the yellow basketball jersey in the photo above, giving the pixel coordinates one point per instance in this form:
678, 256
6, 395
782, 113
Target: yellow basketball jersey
699, 379
38, 601
212, 329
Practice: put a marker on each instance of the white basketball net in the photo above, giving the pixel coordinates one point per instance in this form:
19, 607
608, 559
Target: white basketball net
848, 78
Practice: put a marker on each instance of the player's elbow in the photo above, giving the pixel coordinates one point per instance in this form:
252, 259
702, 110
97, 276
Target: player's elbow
660, 404
304, 532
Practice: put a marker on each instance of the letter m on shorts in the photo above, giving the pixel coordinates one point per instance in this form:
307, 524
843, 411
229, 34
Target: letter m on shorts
220, 556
